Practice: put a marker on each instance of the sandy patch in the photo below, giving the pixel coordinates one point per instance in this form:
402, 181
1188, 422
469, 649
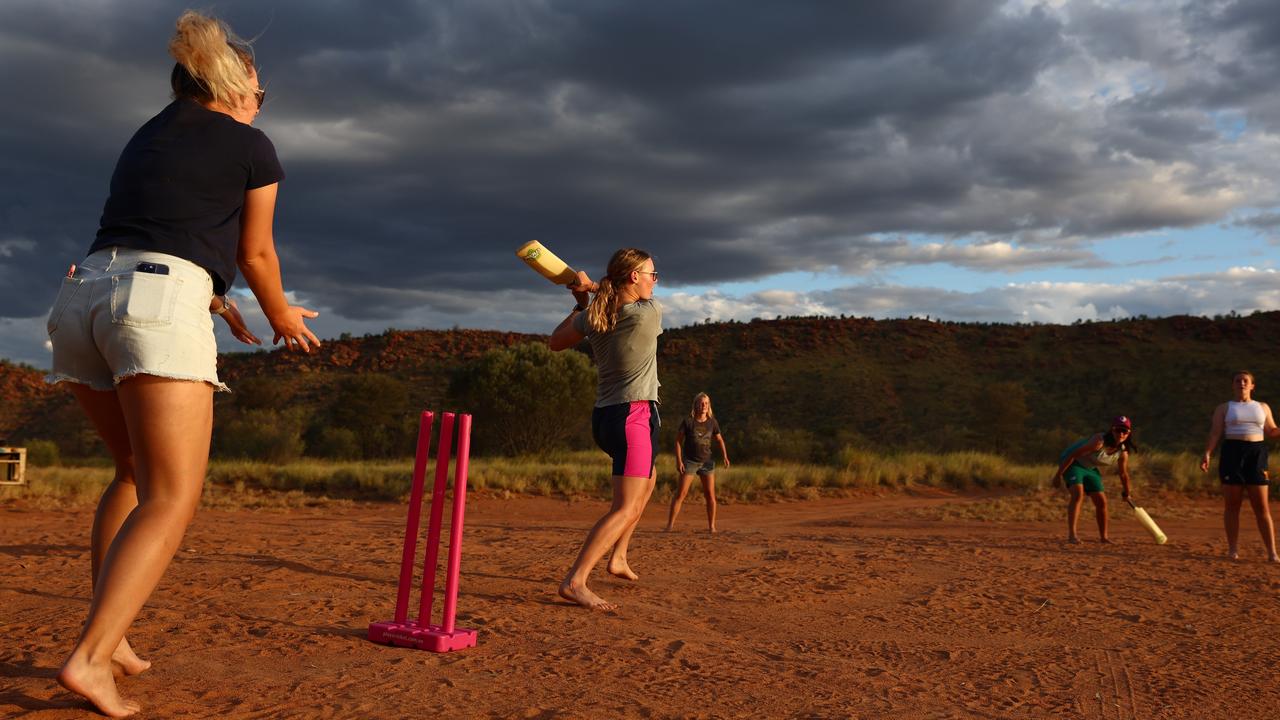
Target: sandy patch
854, 607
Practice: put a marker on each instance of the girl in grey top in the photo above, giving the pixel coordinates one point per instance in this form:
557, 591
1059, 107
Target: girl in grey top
622, 323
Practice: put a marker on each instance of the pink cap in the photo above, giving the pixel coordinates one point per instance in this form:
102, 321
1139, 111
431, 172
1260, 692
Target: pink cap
1122, 421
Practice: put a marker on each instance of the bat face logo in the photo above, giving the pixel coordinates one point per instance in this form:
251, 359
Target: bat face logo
533, 254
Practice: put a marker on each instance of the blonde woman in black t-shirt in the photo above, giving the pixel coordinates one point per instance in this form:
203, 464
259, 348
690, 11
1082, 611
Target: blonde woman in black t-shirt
693, 457
191, 202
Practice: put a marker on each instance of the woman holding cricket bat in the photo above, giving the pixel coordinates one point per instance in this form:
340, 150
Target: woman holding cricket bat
622, 323
1245, 424
1079, 467
191, 202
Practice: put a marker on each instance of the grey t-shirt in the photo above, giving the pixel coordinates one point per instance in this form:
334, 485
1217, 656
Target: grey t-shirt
627, 355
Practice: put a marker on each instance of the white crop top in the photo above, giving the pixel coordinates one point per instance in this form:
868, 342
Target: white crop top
1102, 457
1244, 419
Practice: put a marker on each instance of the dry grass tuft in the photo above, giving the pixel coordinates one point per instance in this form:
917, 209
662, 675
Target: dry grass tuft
247, 484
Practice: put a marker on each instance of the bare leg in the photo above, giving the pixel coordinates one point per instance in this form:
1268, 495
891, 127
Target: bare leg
1074, 502
118, 500
683, 482
1262, 512
1233, 498
629, 494
618, 558
1100, 514
169, 423
709, 492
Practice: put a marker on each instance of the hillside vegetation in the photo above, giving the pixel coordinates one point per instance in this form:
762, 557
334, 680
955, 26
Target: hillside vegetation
796, 389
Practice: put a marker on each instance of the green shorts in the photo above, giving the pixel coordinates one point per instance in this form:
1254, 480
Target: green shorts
1089, 477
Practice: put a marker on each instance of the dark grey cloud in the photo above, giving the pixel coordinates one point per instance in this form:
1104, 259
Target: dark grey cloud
424, 141
601, 125
1261, 221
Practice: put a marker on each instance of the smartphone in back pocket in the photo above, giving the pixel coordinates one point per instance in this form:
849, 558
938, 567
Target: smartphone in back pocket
153, 268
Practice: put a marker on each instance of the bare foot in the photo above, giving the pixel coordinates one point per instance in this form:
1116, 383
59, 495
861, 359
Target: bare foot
668, 528
1105, 541
712, 530
1233, 554
97, 686
584, 597
1274, 559
1073, 540
621, 569
128, 661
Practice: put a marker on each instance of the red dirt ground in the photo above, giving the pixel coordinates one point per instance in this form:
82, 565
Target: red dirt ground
828, 608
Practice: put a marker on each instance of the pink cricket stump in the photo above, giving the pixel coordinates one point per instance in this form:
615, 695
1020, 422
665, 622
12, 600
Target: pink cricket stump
420, 633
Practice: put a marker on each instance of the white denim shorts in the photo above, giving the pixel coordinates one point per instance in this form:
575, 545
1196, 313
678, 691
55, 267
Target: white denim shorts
133, 312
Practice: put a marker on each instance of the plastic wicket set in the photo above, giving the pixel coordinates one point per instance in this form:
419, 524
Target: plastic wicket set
420, 633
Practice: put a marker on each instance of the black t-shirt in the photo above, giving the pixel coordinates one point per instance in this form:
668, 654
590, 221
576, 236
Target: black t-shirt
179, 187
697, 439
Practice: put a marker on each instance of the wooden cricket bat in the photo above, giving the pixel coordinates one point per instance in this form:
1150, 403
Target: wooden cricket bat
545, 262
1145, 520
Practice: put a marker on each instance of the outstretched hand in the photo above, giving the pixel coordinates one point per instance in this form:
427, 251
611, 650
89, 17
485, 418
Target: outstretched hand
236, 324
291, 328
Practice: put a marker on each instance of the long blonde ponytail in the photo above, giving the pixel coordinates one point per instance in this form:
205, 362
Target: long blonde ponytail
213, 64
602, 314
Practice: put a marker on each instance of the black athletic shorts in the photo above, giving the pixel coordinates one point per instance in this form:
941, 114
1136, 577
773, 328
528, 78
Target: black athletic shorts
628, 432
1243, 462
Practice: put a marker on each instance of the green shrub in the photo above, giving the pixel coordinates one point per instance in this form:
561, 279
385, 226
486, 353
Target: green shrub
42, 453
260, 393
335, 443
1002, 413
265, 435
376, 409
761, 442
526, 399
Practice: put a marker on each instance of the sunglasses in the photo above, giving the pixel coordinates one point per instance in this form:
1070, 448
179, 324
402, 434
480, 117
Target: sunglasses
1121, 430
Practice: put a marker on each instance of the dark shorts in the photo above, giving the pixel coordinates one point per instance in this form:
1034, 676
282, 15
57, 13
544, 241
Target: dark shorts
706, 467
1243, 462
628, 433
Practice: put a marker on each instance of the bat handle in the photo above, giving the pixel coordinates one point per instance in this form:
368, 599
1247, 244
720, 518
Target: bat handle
1135, 507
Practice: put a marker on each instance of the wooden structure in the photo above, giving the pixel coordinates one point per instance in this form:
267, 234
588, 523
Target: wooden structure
13, 466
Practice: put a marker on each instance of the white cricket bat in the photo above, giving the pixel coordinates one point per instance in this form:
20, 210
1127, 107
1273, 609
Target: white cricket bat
546, 263
1145, 520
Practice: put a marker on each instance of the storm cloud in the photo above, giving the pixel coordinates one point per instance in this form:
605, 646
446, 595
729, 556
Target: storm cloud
425, 141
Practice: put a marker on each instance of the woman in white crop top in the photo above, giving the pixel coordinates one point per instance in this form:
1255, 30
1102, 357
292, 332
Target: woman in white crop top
1243, 424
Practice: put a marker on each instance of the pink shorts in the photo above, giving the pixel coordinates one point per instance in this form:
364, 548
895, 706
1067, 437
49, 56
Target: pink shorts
628, 432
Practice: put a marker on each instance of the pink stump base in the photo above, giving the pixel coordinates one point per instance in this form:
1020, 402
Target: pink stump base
431, 637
